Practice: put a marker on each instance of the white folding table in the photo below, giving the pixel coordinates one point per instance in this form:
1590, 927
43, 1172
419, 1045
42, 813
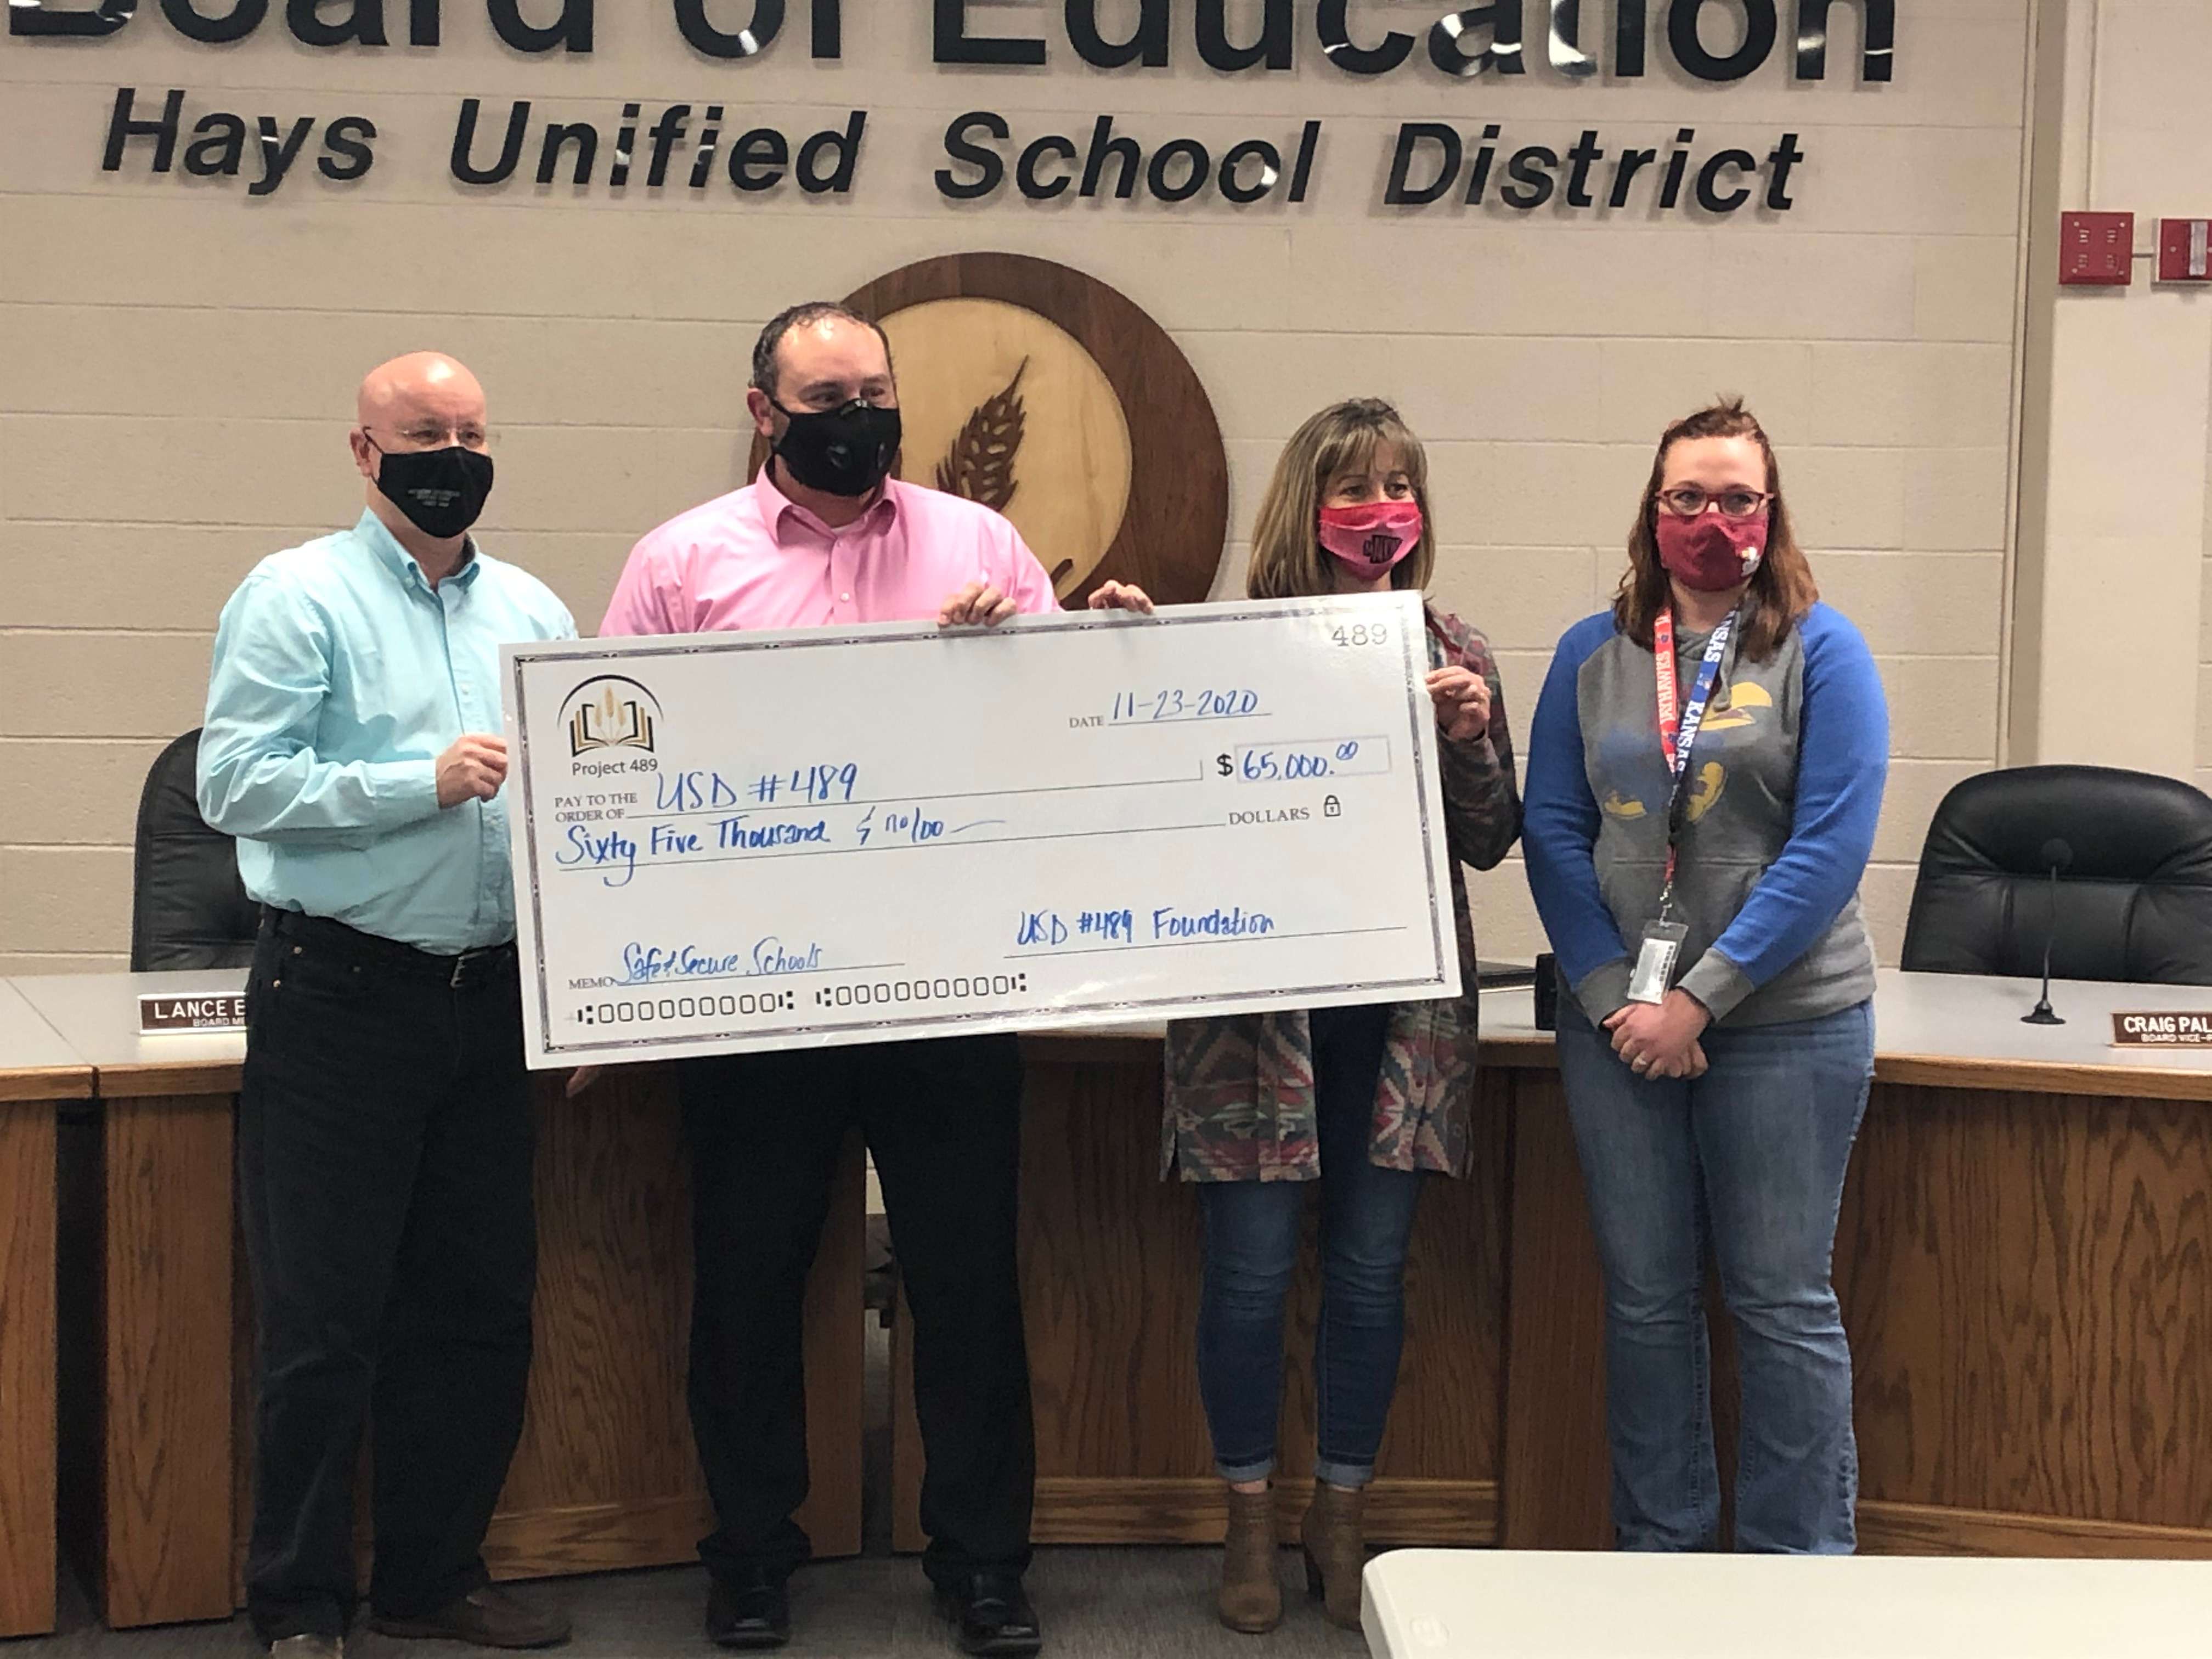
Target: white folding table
1501, 1604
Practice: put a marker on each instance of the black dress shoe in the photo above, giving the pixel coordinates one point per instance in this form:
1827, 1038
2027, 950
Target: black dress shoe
750, 1611
992, 1614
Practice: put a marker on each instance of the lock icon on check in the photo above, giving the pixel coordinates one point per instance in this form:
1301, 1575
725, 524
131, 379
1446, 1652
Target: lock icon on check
1331, 808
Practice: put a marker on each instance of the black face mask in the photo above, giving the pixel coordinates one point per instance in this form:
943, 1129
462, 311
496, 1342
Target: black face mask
442, 491
840, 451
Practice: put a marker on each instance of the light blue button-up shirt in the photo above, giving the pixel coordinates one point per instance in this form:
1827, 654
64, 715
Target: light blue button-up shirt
340, 676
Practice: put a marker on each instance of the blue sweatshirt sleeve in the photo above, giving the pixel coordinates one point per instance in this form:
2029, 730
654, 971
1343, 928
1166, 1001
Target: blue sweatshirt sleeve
1559, 829
1842, 764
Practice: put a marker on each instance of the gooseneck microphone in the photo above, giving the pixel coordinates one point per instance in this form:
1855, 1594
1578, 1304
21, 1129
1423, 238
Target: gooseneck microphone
2056, 855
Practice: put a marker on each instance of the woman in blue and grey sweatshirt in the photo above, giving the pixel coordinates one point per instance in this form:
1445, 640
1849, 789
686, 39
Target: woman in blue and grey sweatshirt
1699, 819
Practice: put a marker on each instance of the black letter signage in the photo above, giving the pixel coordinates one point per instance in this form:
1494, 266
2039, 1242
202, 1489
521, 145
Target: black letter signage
47, 17
571, 29
954, 45
766, 23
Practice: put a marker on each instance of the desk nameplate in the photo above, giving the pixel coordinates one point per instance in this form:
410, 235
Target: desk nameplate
2160, 1029
169, 1015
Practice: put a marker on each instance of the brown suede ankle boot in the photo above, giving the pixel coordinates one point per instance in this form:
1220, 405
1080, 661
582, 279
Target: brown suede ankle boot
1336, 1550
1251, 1595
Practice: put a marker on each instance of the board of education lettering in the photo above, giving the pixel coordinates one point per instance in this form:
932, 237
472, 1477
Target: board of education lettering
704, 144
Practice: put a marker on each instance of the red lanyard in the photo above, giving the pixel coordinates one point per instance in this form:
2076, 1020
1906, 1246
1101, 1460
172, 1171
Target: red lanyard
1678, 726
1670, 692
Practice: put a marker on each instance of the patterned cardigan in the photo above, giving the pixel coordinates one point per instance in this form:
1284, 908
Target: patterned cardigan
1239, 1088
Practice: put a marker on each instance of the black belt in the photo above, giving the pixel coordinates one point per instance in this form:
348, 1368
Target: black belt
468, 969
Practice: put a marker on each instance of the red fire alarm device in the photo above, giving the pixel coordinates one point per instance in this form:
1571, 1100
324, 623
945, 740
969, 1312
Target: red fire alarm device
2185, 251
2096, 250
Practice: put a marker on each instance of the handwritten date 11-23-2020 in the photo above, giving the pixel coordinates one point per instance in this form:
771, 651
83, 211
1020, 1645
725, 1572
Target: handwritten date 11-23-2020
1208, 702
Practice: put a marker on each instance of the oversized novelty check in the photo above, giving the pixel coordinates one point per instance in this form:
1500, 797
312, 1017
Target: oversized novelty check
733, 841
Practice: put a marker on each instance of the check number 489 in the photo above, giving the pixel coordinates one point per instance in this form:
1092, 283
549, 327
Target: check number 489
1361, 634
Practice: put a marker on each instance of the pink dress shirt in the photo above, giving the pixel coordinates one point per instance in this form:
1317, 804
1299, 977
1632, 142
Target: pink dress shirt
754, 558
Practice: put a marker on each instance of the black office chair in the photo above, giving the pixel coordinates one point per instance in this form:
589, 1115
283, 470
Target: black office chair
2134, 904
188, 908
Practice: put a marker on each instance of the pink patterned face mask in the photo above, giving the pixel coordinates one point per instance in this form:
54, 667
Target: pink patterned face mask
1371, 538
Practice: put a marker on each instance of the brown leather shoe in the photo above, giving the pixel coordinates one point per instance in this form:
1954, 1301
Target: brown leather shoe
1251, 1595
489, 1618
1336, 1550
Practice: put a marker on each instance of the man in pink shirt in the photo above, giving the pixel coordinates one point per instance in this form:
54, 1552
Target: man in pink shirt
825, 536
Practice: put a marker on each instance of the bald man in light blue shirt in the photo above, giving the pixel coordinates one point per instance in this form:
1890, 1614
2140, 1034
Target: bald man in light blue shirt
385, 1134
352, 737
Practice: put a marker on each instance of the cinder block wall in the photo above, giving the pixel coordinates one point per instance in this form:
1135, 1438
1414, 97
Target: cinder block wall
178, 358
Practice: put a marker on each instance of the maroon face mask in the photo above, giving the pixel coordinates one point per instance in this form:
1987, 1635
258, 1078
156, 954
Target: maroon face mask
1711, 553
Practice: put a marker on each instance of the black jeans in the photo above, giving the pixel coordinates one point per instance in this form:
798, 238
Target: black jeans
384, 1144
944, 1120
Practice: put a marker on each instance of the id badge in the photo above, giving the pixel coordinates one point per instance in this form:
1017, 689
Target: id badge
1654, 962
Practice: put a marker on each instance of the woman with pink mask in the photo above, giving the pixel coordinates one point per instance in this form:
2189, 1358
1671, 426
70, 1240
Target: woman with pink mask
1367, 1101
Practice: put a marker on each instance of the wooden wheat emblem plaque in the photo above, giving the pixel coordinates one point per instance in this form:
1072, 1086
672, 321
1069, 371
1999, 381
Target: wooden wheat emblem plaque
980, 465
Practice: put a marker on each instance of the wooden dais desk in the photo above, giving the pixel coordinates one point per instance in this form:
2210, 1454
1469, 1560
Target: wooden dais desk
159, 1353
2024, 1259
1111, 1260
38, 1072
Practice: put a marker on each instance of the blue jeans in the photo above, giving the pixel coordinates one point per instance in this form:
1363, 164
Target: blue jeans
1753, 1156
1252, 1233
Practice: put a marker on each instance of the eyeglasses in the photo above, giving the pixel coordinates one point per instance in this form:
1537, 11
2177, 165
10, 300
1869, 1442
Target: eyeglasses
1691, 500
465, 437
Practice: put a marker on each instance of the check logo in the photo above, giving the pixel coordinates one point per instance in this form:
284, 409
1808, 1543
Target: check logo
611, 712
